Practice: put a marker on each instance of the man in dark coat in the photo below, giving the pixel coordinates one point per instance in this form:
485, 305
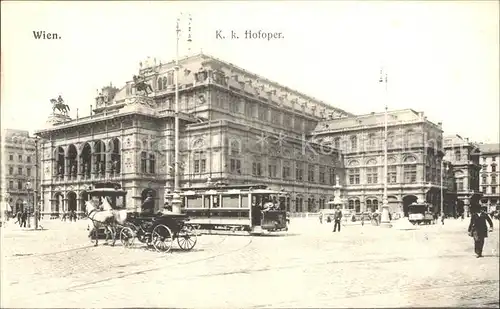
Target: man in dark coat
337, 216
478, 229
24, 218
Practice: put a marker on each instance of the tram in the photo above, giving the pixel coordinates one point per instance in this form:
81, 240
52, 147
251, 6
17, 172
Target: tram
255, 209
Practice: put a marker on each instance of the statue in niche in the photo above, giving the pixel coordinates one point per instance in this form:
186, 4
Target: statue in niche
60, 170
73, 169
101, 167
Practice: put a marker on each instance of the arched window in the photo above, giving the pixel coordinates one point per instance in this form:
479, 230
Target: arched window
160, 83
337, 142
351, 204
354, 143
372, 140
390, 139
357, 205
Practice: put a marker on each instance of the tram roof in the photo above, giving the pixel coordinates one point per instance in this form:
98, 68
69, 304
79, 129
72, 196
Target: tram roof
106, 191
228, 187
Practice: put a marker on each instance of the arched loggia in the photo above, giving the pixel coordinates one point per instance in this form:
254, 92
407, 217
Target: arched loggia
72, 161
99, 158
85, 161
115, 157
59, 159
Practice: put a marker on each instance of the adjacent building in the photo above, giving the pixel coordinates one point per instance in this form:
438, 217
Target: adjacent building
414, 158
489, 178
18, 168
464, 157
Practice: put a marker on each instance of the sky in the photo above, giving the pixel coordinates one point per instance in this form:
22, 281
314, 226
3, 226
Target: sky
441, 57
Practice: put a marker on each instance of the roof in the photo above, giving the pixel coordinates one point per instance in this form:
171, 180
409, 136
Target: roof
489, 148
372, 119
196, 62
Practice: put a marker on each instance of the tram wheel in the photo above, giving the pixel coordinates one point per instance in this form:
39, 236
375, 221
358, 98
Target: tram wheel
186, 239
127, 237
162, 238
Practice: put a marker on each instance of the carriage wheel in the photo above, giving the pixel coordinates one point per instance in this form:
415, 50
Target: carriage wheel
162, 238
186, 239
110, 236
127, 237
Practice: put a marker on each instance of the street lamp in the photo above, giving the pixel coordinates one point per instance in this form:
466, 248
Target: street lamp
385, 220
27, 204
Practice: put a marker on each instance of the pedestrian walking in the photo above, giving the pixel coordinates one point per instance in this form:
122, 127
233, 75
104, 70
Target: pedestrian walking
442, 219
337, 217
479, 230
24, 218
19, 215
362, 219
321, 218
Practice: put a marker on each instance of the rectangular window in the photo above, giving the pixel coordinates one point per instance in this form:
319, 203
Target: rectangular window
372, 175
485, 180
203, 165
11, 185
28, 172
20, 158
484, 189
493, 180
194, 202
28, 159
493, 190
322, 174
460, 184
493, 159
272, 170
11, 170
19, 185
286, 171
391, 174
11, 158
493, 168
299, 171
410, 173
331, 176
354, 176
235, 166
310, 173
152, 164
230, 201
19, 170
256, 169
144, 162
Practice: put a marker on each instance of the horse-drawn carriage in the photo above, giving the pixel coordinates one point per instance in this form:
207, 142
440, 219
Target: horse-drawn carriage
158, 230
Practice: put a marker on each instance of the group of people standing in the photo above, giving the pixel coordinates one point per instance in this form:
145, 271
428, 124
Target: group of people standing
71, 216
23, 217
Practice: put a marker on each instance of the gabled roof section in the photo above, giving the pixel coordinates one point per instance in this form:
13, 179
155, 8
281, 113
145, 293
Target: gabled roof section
489, 148
252, 83
370, 120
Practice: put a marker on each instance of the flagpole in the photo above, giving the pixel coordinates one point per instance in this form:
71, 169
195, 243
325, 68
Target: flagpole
385, 219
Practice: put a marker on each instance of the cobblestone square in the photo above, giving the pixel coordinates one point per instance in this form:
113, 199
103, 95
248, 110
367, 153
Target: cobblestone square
362, 266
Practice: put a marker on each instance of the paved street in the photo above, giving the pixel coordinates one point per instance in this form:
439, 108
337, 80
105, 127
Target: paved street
363, 266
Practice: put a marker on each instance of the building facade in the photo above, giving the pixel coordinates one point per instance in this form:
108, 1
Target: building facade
414, 158
489, 178
18, 168
235, 127
464, 158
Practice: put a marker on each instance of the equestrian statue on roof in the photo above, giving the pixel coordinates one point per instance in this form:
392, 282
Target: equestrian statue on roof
59, 105
141, 85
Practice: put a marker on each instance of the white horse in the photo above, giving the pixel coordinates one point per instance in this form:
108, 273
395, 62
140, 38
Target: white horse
107, 218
